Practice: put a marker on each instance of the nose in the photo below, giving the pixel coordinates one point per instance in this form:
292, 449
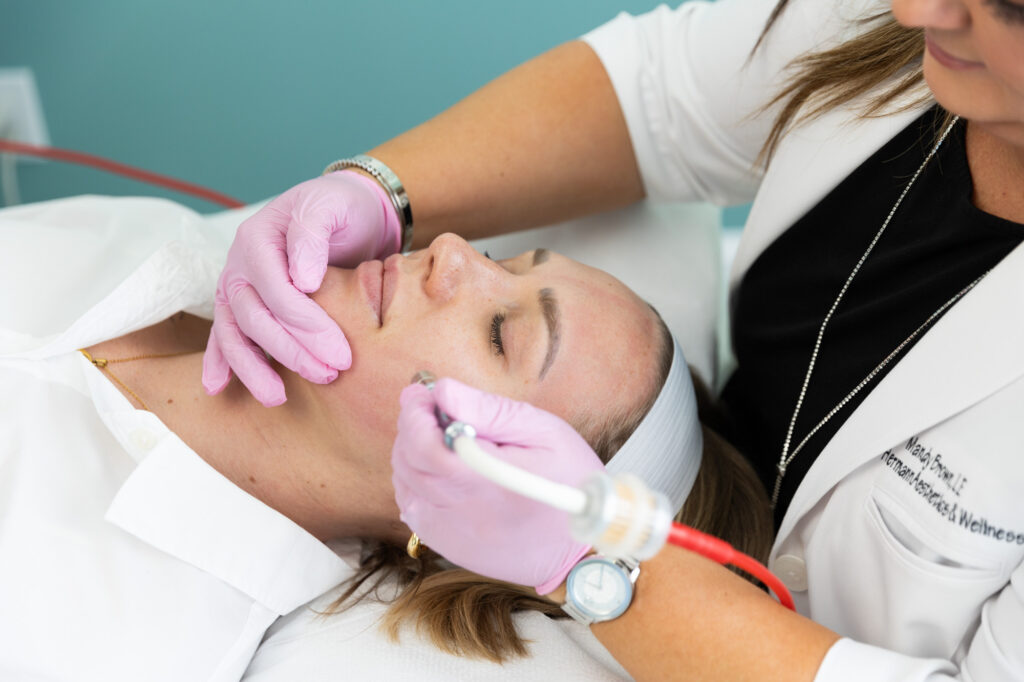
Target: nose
453, 264
947, 15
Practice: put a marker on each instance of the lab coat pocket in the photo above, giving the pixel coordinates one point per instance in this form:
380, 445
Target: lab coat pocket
920, 547
929, 588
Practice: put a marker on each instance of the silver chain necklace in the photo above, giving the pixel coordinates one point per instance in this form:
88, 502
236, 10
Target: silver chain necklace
788, 456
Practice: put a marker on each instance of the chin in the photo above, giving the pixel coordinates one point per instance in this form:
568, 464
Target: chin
979, 103
952, 96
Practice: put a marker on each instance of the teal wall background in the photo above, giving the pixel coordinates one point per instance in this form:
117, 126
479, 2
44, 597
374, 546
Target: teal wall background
249, 97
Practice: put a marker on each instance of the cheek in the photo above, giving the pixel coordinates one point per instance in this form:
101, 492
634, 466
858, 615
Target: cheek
1008, 65
366, 403
901, 11
439, 343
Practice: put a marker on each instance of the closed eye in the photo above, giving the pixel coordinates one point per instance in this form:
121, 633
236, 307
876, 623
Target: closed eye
496, 342
1007, 10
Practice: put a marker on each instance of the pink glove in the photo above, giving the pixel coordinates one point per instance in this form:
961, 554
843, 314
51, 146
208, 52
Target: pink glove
278, 256
466, 518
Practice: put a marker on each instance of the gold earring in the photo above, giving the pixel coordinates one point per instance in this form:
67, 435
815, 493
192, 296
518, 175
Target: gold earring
414, 547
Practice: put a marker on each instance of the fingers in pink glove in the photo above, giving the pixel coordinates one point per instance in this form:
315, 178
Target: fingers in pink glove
417, 422
250, 366
496, 418
352, 222
304, 320
474, 522
216, 370
255, 320
307, 257
307, 240
421, 462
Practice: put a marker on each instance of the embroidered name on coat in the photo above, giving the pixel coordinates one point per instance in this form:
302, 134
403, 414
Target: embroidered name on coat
939, 484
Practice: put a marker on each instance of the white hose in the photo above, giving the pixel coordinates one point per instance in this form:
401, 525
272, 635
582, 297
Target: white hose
564, 497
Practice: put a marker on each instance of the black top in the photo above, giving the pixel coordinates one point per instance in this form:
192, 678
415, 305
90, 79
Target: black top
936, 244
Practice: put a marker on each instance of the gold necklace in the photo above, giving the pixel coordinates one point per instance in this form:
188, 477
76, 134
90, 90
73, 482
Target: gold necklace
103, 365
788, 456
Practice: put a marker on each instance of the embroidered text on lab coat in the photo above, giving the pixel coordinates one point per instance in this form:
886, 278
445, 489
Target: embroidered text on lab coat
939, 484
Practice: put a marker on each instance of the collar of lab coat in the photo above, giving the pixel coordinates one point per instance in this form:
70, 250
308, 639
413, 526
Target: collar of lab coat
811, 160
971, 352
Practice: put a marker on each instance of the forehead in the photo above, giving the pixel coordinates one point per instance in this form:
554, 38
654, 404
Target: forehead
609, 340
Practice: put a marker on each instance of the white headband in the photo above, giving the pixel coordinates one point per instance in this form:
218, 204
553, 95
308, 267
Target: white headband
665, 450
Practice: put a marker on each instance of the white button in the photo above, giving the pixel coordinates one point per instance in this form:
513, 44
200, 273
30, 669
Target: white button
143, 439
792, 571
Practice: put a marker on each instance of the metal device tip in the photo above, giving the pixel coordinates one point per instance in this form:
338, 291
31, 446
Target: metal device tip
424, 377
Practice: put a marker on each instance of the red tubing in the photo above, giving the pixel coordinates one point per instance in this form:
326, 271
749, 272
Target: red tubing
83, 159
722, 552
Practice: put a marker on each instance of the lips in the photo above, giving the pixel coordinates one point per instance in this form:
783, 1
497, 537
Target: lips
370, 275
389, 283
948, 60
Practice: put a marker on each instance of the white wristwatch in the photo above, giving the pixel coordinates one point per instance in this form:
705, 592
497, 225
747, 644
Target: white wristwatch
600, 589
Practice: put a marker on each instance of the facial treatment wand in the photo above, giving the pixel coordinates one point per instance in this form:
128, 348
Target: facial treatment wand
620, 516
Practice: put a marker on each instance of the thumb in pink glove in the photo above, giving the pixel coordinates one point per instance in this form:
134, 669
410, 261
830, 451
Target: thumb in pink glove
279, 255
466, 518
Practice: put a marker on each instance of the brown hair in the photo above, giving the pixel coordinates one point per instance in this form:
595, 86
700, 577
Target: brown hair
466, 614
824, 80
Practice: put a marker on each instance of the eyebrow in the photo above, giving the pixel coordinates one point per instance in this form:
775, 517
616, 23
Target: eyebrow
540, 255
549, 305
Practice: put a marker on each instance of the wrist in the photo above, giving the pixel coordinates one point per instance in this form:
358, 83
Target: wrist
389, 240
557, 595
580, 553
392, 188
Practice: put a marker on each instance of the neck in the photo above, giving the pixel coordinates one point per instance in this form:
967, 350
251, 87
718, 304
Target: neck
997, 172
293, 457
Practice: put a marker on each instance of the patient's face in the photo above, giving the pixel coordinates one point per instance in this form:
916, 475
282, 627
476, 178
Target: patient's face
538, 327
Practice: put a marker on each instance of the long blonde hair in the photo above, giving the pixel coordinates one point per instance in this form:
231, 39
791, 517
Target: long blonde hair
883, 52
466, 614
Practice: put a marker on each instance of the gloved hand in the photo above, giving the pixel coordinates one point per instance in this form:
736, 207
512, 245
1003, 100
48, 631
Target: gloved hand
279, 255
469, 520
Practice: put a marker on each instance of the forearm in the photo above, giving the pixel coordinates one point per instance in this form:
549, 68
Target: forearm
691, 619
544, 142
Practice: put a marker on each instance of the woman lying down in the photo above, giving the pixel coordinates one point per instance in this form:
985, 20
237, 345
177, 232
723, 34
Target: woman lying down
150, 531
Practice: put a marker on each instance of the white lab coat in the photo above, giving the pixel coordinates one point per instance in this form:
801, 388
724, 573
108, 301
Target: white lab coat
907, 534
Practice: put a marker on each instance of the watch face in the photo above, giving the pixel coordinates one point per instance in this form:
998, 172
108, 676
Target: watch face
600, 588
